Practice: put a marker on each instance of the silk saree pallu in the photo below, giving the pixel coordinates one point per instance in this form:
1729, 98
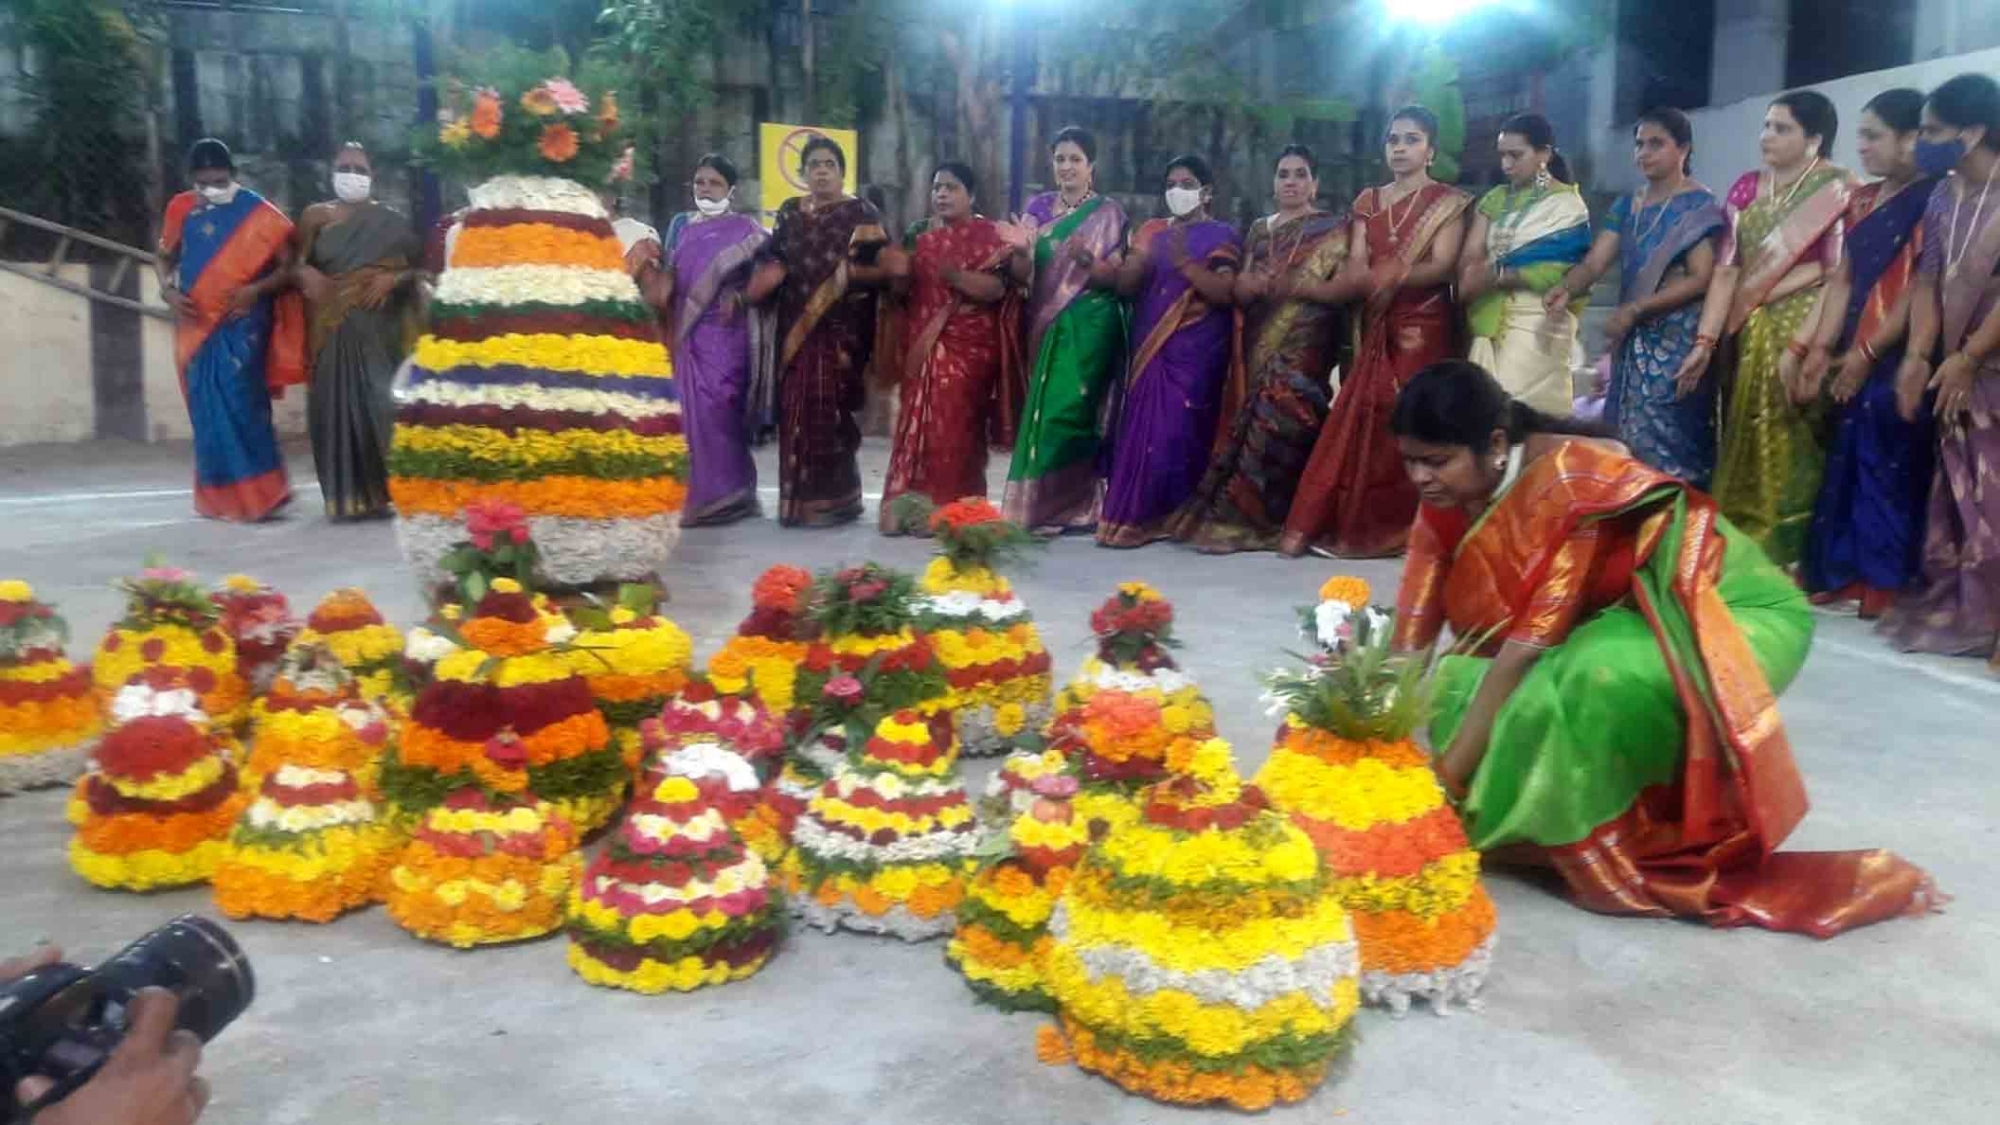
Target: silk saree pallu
1538, 234
355, 350
1673, 433
725, 355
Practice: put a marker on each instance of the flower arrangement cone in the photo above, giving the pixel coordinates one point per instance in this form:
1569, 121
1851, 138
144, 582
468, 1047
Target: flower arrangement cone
992, 653
887, 845
370, 648
1345, 770
49, 717
635, 660
542, 382
259, 619
1002, 940
310, 845
698, 719
511, 675
764, 656
1199, 953
161, 796
676, 901
171, 623
868, 659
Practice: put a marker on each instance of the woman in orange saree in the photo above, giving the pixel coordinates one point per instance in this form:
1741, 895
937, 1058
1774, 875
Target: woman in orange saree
1354, 499
1616, 717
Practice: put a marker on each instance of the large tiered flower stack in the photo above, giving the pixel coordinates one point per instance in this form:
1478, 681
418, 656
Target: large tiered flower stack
49, 720
370, 648
260, 621
1129, 707
1200, 954
676, 901
310, 846
1345, 770
887, 845
171, 623
161, 796
513, 679
634, 660
1003, 940
992, 653
700, 720
542, 382
763, 658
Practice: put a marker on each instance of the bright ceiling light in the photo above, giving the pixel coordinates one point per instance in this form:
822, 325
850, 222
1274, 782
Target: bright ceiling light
1432, 13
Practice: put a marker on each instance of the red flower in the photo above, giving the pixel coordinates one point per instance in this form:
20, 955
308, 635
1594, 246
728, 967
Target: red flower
490, 522
844, 689
505, 750
867, 591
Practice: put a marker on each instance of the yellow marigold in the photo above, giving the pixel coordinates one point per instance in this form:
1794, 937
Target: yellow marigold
15, 590
1139, 591
540, 102
455, 134
1009, 718
1345, 588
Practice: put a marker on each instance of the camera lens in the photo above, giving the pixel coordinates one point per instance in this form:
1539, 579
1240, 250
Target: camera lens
196, 960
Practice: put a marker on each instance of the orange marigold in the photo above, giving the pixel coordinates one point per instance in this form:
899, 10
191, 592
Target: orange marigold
486, 115
1051, 1049
1345, 588
559, 143
540, 101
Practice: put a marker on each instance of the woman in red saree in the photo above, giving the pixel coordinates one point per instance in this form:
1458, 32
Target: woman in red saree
1354, 499
958, 361
1616, 718
821, 264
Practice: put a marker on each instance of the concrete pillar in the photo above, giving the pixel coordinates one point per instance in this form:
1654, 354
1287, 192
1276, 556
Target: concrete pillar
1750, 40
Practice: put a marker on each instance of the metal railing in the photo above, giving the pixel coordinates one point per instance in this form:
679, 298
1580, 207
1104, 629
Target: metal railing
50, 272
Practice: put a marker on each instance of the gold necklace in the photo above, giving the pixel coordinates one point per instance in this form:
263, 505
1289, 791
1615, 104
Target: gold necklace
1796, 184
1953, 261
1395, 227
1640, 203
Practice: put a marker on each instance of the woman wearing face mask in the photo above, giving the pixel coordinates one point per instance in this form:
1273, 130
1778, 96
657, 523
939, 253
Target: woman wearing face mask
1181, 275
1865, 536
225, 267
725, 351
1354, 499
1783, 243
1067, 249
957, 362
1608, 605
1291, 290
1662, 239
821, 262
1955, 312
358, 272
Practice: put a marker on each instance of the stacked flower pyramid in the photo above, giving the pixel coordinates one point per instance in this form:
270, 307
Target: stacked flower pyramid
514, 679
635, 661
886, 847
542, 382
992, 653
161, 796
170, 623
1003, 938
763, 658
699, 720
49, 720
867, 661
310, 846
1345, 770
260, 621
1200, 955
676, 901
370, 648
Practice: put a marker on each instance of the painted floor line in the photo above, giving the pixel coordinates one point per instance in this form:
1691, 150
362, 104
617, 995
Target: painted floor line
133, 494
1888, 657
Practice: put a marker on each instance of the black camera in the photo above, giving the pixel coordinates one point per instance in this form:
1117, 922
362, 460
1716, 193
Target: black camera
62, 1022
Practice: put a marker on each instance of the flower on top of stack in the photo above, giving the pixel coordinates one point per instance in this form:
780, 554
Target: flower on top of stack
1003, 939
49, 720
1012, 789
370, 648
172, 623
310, 845
542, 382
1345, 769
739, 727
161, 796
1199, 954
259, 619
676, 901
635, 661
887, 845
510, 677
993, 655
763, 658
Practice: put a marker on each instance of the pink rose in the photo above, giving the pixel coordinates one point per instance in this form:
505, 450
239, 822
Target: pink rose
844, 689
485, 523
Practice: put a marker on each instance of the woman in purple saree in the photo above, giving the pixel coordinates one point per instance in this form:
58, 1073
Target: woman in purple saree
1162, 416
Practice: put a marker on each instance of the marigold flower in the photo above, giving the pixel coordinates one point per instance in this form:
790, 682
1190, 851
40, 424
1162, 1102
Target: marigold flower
1345, 588
559, 144
486, 112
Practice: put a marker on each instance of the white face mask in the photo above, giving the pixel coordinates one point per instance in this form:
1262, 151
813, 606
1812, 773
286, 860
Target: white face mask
711, 207
353, 187
219, 196
1183, 200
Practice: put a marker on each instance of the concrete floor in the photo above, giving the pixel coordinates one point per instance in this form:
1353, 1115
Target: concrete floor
1588, 1019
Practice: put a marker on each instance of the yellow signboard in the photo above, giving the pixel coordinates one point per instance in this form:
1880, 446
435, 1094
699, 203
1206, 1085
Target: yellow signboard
779, 150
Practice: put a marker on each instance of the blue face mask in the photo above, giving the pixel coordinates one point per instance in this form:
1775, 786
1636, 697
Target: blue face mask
1935, 158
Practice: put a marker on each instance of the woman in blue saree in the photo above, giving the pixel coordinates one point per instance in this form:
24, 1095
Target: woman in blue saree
1662, 239
225, 269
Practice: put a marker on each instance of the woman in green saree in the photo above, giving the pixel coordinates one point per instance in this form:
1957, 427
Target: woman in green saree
1067, 248
1615, 714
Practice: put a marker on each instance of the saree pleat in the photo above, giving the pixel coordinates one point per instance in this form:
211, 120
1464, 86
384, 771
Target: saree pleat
350, 413
722, 355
